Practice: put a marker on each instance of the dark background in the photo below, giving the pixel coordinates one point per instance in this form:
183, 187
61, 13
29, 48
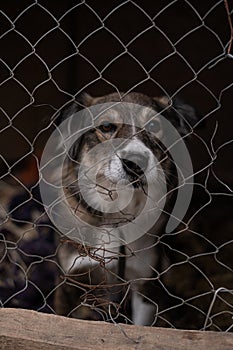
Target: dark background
51, 51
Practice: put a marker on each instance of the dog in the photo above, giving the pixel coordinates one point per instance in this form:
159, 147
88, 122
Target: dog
120, 154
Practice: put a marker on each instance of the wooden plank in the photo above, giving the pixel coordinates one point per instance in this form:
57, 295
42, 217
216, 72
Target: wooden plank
24, 330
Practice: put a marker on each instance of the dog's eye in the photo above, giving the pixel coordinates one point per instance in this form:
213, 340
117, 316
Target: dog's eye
107, 127
153, 126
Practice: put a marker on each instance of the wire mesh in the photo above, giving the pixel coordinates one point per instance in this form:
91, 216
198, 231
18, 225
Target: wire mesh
52, 52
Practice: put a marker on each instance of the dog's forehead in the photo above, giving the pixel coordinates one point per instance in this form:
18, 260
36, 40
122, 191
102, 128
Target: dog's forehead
127, 113
110, 114
147, 114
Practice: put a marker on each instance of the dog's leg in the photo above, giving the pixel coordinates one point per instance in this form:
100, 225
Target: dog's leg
143, 313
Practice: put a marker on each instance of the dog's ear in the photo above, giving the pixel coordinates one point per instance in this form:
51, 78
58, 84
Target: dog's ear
82, 101
71, 122
86, 100
182, 115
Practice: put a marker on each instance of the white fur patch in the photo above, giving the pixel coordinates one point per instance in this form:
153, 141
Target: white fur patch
75, 262
143, 313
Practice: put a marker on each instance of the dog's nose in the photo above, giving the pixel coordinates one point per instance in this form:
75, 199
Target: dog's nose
134, 162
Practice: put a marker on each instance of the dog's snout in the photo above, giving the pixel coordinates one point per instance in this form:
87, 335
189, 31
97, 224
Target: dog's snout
134, 162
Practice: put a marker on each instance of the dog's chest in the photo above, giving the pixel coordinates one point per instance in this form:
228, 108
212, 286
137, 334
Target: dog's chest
139, 259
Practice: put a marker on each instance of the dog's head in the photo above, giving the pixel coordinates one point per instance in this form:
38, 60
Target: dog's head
123, 146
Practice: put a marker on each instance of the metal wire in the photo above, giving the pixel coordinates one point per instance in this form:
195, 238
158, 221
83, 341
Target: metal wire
50, 54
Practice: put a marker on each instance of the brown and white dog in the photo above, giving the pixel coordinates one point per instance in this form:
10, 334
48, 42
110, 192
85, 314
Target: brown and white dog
106, 282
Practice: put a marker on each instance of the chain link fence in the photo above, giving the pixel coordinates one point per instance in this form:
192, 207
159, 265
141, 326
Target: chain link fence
53, 52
